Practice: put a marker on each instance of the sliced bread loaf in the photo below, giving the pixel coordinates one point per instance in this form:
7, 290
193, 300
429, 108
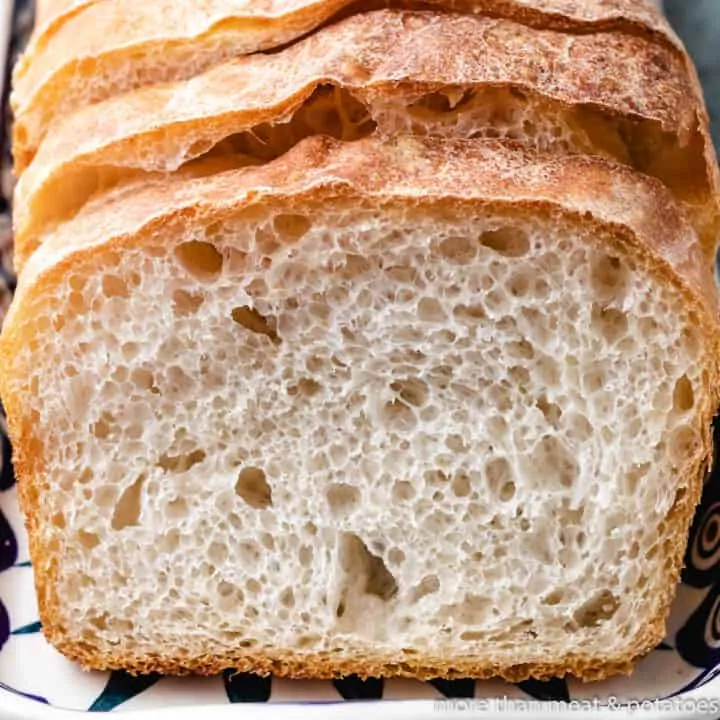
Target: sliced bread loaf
401, 407
389, 72
95, 50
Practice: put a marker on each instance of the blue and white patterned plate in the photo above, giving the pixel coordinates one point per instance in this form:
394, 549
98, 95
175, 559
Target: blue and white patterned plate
680, 677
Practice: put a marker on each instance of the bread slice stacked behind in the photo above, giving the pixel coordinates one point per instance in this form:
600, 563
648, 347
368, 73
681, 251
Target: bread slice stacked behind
84, 51
387, 72
391, 350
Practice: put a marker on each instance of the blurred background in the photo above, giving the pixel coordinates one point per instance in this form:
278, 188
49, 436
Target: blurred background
698, 24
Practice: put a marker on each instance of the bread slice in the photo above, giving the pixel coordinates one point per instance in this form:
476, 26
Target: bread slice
404, 407
392, 71
49, 16
112, 46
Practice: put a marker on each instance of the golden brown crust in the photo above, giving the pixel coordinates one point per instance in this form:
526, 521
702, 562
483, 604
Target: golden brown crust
416, 168
49, 11
333, 665
387, 55
57, 71
51, 14
632, 212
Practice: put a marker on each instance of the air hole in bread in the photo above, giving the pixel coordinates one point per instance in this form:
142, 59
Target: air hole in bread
635, 476
520, 283
403, 490
105, 496
507, 491
249, 554
435, 477
305, 388
554, 597
227, 590
551, 411
253, 586
256, 323
499, 476
593, 381
342, 499
266, 242
170, 541
458, 249
451, 100
102, 427
181, 463
143, 379
413, 391
69, 370
519, 376
579, 427
456, 443
76, 303
217, 552
683, 395
252, 486
599, 608
185, 303
461, 484
609, 278
130, 351
610, 322
305, 555
87, 539
366, 569
290, 228
113, 286
509, 241
683, 443
200, 147
202, 260
427, 586
128, 507
430, 310
553, 463
472, 610
470, 313
396, 414
99, 622
329, 111
267, 540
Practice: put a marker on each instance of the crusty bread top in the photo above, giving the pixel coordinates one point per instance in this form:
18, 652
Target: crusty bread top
49, 17
47, 11
78, 49
623, 74
122, 23
50, 14
640, 209
382, 56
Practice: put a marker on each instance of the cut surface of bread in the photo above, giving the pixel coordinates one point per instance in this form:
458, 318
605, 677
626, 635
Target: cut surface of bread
387, 407
111, 46
391, 71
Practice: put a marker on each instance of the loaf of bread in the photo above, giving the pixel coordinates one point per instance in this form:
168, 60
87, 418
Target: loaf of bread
392, 351
113, 46
409, 408
389, 72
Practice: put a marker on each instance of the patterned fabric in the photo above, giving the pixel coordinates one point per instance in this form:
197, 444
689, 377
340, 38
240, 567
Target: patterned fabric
22, 26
